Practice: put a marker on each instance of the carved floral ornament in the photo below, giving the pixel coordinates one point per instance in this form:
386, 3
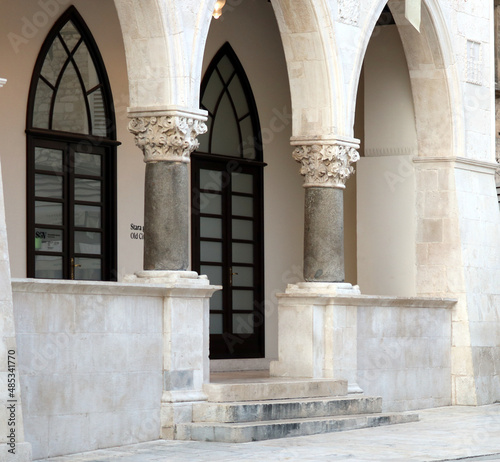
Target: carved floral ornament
326, 165
167, 138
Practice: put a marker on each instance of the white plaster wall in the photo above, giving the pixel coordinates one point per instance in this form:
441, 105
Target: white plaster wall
90, 365
19, 47
386, 225
385, 177
250, 28
404, 355
389, 112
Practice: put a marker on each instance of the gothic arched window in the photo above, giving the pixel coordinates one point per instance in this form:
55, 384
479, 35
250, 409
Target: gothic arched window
71, 158
233, 122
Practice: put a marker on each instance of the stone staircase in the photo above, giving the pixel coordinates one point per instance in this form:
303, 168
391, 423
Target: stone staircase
254, 409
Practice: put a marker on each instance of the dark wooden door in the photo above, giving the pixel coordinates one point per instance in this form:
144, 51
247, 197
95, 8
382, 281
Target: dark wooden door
227, 236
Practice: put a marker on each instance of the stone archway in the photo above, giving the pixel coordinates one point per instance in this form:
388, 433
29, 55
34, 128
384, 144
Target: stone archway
430, 60
316, 82
164, 44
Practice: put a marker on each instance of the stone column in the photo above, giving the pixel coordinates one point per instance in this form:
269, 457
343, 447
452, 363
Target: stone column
320, 315
326, 165
167, 138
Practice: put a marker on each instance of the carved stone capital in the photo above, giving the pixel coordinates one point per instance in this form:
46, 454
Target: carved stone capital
326, 165
170, 138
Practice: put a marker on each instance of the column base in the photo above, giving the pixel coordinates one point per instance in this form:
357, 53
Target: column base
353, 387
317, 333
167, 277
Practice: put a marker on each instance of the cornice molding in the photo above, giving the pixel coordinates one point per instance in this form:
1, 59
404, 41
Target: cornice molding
463, 163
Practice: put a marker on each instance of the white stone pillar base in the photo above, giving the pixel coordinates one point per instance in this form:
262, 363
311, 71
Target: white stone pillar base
186, 367
317, 333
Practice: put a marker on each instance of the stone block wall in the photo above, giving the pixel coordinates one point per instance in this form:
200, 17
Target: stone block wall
480, 232
404, 352
90, 358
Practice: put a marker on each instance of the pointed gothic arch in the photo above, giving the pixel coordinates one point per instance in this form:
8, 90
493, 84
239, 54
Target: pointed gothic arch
431, 50
71, 158
227, 96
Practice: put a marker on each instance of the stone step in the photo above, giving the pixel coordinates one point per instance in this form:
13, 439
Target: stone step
253, 411
266, 389
257, 431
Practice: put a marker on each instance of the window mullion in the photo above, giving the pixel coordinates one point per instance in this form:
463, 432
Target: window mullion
69, 208
56, 89
84, 94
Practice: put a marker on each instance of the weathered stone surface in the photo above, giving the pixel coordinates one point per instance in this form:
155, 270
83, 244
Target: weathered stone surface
404, 354
317, 317
285, 409
324, 235
245, 432
96, 381
166, 216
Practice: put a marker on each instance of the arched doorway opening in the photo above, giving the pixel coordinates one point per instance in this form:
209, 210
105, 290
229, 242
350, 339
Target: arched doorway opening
404, 120
227, 209
265, 67
385, 178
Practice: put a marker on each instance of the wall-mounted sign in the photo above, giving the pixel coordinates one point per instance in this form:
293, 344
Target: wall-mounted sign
137, 231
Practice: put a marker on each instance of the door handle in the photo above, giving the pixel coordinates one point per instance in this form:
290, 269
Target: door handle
72, 268
231, 274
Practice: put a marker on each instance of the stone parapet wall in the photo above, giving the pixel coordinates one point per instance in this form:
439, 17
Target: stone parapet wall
404, 351
90, 357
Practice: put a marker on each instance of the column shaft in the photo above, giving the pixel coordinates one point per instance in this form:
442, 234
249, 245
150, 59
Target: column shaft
166, 216
166, 137
324, 235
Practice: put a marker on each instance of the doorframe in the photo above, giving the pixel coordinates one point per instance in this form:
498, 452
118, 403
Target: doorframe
218, 340
67, 142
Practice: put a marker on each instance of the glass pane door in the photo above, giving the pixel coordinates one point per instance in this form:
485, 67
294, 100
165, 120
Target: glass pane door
227, 247
88, 208
70, 219
48, 186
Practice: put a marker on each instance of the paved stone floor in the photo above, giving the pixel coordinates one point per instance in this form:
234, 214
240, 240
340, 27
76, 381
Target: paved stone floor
443, 434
